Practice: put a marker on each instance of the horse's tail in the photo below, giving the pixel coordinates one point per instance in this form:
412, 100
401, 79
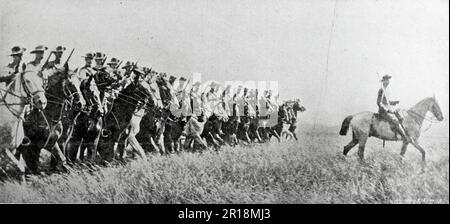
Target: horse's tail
345, 125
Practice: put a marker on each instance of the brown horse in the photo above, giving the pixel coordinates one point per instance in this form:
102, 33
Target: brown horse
367, 124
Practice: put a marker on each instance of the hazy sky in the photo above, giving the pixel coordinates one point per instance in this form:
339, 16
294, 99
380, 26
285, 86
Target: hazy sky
243, 40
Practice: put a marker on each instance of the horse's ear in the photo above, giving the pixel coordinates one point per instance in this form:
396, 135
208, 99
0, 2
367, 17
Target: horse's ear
76, 70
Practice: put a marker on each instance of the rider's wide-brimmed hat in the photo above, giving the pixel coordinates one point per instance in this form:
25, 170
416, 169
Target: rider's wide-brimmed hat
183, 79
139, 70
88, 56
113, 61
99, 56
16, 50
59, 49
39, 49
386, 77
127, 65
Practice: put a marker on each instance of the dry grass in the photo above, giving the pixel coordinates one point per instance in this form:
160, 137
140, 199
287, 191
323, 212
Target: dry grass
310, 171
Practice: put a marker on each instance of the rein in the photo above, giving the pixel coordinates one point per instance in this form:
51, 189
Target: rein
432, 120
27, 100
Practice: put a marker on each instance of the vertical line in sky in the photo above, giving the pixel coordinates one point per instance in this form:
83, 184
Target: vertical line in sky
324, 88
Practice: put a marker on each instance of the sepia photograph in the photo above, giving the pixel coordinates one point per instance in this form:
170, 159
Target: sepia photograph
224, 102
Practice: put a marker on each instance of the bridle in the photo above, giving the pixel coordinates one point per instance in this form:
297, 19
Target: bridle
432, 120
28, 99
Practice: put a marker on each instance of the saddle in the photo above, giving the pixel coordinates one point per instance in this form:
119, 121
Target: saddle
381, 118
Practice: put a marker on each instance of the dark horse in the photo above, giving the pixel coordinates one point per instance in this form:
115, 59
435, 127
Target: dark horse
45, 128
158, 123
122, 121
87, 126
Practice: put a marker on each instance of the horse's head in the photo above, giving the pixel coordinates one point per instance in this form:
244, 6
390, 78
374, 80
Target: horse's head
34, 88
436, 109
297, 106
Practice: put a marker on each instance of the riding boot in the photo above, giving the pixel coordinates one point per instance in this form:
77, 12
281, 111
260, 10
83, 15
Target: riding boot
403, 133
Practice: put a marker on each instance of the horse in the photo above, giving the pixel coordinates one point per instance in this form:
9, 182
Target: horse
25, 91
368, 124
268, 120
46, 128
195, 125
160, 126
88, 125
215, 112
294, 107
122, 122
230, 127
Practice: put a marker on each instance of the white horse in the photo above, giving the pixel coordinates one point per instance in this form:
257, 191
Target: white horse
24, 91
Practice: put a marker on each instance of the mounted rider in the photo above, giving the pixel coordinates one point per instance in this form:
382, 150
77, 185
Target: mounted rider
387, 110
183, 98
86, 71
8, 72
36, 65
99, 59
112, 69
56, 65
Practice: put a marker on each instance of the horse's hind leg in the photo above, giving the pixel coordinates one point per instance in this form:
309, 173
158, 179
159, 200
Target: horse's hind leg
350, 145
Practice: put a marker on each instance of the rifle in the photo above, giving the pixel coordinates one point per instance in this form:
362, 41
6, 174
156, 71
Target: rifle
118, 65
68, 58
66, 64
104, 60
46, 61
16, 69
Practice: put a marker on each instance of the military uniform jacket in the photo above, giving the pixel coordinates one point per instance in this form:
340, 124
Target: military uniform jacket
85, 72
382, 101
7, 74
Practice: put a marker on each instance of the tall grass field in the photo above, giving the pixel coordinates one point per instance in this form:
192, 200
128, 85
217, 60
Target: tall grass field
312, 170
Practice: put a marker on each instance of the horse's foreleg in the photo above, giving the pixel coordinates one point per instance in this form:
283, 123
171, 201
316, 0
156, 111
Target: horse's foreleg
135, 144
403, 149
72, 150
187, 143
160, 141
152, 142
94, 148
421, 150
361, 147
274, 133
218, 138
258, 137
287, 134
213, 140
200, 140
60, 158
19, 163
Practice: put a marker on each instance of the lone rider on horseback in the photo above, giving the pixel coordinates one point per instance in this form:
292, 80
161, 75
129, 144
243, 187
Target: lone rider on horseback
387, 110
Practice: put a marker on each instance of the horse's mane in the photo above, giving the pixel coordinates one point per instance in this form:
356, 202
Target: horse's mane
423, 101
